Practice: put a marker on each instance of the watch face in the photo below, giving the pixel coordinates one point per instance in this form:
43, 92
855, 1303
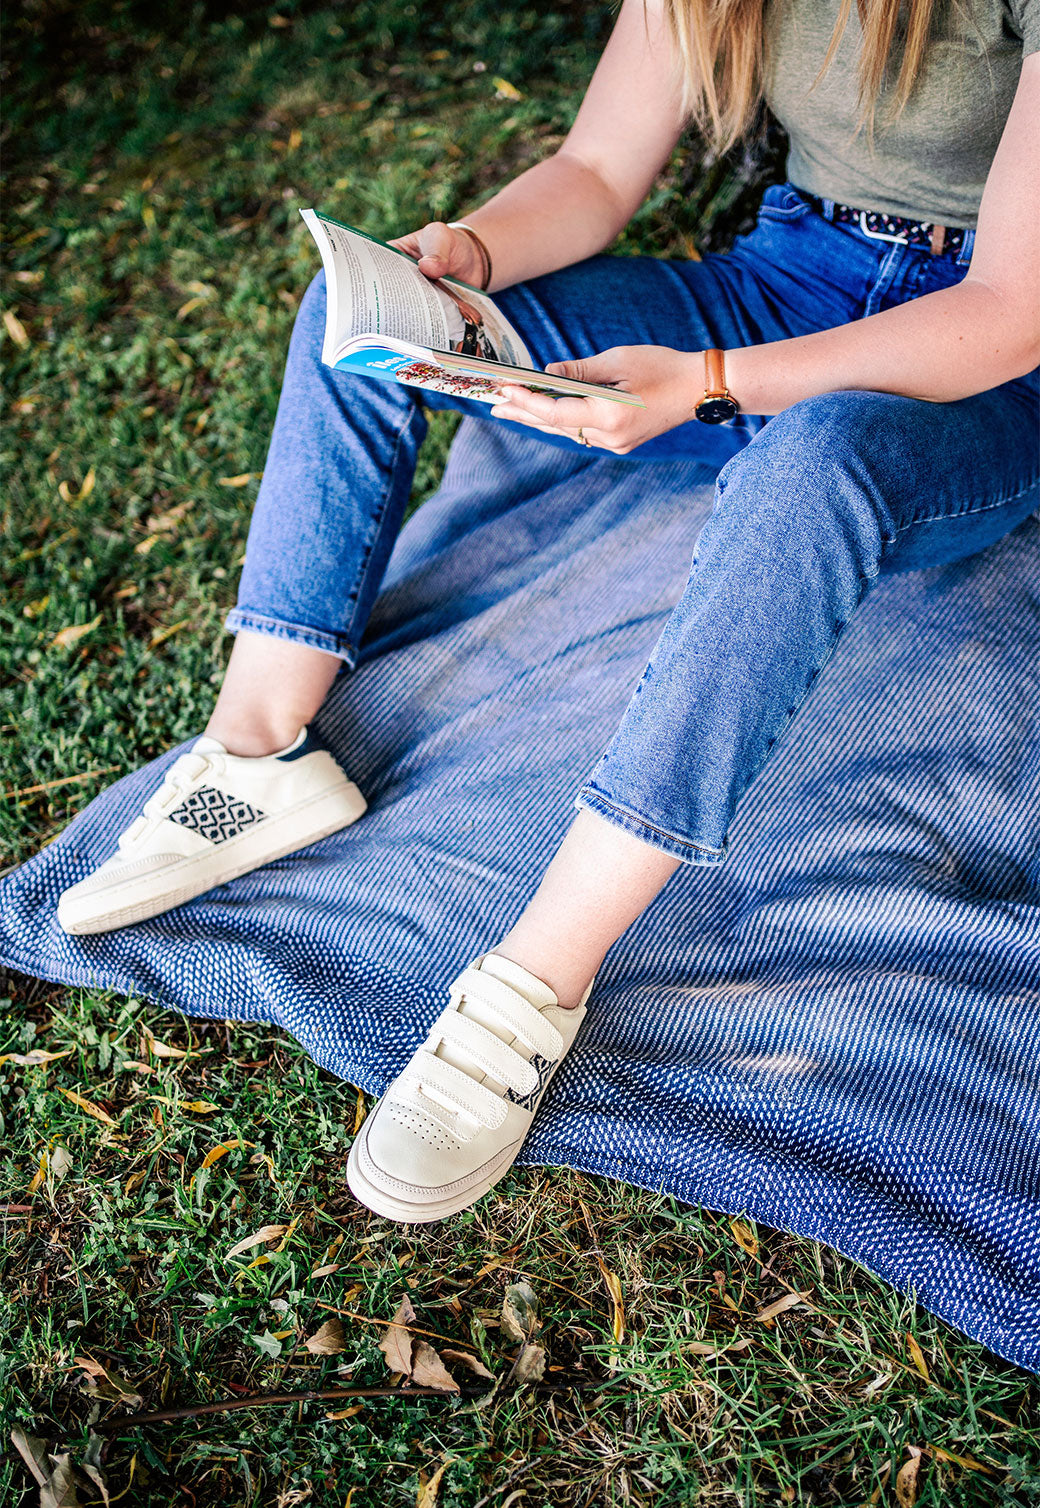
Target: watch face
715, 410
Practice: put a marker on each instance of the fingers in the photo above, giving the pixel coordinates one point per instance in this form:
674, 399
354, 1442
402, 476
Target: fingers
560, 413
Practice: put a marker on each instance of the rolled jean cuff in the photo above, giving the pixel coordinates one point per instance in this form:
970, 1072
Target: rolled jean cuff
673, 844
296, 633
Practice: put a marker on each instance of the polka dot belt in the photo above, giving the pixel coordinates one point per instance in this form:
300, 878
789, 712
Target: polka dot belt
939, 239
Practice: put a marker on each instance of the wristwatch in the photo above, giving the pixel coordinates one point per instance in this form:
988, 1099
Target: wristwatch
717, 406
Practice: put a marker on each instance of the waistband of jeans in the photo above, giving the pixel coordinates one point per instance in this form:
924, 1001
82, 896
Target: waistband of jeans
939, 240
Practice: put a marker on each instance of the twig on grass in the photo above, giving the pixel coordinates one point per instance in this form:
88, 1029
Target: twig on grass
332, 1395
48, 785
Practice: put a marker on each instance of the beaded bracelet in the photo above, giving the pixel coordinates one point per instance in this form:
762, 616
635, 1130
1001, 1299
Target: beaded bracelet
485, 255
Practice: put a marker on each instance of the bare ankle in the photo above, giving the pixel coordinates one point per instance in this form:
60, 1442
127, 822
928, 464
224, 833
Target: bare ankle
567, 977
251, 740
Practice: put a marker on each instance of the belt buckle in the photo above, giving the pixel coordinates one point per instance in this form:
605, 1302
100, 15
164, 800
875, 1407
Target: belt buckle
879, 235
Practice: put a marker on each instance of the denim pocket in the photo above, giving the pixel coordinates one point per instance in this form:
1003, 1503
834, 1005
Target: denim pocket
782, 201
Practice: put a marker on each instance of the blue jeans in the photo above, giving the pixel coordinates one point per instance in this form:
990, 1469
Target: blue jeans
811, 505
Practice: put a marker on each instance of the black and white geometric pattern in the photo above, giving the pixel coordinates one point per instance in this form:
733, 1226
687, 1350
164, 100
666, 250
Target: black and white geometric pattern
545, 1067
215, 815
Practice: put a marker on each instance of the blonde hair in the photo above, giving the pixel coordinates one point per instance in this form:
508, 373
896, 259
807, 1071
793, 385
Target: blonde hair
719, 50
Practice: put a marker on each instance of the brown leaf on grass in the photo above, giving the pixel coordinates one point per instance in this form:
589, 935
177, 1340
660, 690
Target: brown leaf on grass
467, 1359
917, 1356
34, 1059
529, 1365
344, 1413
359, 1113
197, 1107
428, 1371
66, 637
744, 1236
86, 487
427, 1494
906, 1479
265, 1233
520, 1320
968, 1462
221, 1150
104, 1383
242, 480
53, 1473
88, 1107
396, 1344
329, 1340
779, 1306
160, 1049
706, 1348
15, 329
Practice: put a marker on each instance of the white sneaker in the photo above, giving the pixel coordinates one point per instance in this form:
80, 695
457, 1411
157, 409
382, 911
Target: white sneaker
453, 1121
215, 816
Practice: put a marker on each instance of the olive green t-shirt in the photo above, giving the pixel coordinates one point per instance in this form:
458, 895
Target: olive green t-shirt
931, 164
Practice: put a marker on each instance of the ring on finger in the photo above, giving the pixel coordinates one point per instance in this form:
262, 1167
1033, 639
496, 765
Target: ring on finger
581, 438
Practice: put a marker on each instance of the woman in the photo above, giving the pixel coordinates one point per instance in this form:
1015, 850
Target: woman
879, 331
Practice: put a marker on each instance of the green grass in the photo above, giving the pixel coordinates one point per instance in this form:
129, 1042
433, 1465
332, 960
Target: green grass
155, 164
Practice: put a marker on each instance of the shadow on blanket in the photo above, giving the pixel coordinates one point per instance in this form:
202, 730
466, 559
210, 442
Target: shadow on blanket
836, 1031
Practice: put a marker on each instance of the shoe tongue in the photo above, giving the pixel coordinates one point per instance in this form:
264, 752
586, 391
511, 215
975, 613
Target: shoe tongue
204, 744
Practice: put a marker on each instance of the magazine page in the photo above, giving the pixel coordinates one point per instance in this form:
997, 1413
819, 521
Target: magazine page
462, 376
376, 290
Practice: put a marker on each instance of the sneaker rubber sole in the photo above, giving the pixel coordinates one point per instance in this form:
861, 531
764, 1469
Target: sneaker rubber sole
380, 1202
144, 896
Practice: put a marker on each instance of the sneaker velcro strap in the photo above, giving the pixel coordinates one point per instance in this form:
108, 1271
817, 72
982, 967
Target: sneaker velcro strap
475, 1099
493, 1055
525, 1019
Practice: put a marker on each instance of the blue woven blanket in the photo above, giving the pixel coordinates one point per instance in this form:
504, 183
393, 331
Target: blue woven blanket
836, 1031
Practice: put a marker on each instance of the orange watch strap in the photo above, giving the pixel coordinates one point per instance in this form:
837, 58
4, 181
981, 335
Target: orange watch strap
714, 371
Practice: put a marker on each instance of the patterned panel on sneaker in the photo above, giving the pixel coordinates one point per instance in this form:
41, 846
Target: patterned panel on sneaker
215, 815
544, 1067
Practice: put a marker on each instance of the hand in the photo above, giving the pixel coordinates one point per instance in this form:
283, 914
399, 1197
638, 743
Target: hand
669, 382
442, 252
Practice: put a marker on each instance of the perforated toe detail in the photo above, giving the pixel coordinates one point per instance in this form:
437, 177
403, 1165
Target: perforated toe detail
420, 1125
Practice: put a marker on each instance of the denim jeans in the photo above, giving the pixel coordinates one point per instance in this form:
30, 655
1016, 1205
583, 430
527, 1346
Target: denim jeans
812, 505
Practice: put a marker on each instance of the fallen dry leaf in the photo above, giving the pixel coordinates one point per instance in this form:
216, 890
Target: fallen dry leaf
917, 1356
88, 1107
53, 1473
520, 1312
344, 1413
160, 1049
505, 90
242, 480
35, 1058
744, 1236
197, 1107
265, 1233
427, 1494
467, 1359
781, 1306
428, 1371
86, 487
15, 329
529, 1365
396, 1344
220, 1150
66, 637
906, 1479
705, 1348
108, 1384
328, 1341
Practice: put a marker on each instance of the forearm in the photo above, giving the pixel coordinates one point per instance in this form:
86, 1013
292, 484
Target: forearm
945, 345
555, 213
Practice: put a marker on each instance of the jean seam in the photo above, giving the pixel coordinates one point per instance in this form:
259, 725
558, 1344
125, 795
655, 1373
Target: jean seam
594, 797
354, 599
298, 633
942, 518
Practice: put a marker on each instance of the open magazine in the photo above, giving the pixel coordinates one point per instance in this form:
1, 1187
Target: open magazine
385, 319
